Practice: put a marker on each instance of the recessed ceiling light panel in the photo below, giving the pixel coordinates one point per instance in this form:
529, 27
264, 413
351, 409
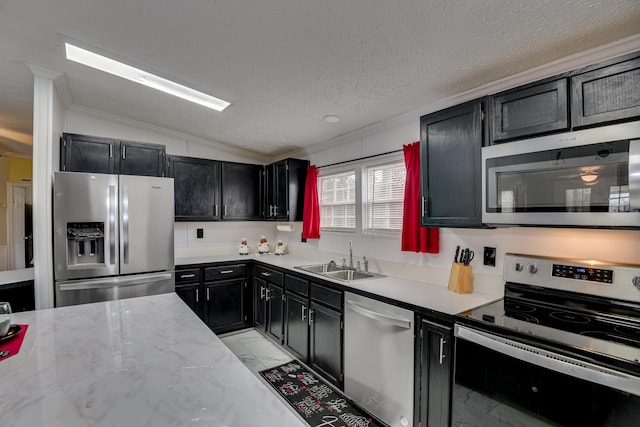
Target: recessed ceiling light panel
331, 119
111, 66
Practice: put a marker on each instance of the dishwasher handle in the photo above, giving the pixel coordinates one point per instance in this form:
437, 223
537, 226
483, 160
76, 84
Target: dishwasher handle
384, 318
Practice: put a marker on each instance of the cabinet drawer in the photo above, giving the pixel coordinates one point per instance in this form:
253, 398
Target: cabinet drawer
297, 285
225, 272
188, 276
326, 296
269, 275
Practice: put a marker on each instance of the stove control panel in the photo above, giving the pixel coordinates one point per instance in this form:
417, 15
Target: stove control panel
582, 273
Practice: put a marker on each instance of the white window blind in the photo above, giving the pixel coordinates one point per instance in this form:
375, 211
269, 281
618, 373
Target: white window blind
385, 196
338, 201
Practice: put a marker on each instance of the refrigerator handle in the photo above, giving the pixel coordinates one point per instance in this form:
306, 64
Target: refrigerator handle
125, 224
112, 224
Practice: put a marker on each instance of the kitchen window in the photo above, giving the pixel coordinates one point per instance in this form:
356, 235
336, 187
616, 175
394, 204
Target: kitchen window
384, 197
338, 201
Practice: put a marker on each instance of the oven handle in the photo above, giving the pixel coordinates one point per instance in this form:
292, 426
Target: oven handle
550, 360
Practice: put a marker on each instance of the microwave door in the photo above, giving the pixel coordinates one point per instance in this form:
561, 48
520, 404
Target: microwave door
146, 225
85, 220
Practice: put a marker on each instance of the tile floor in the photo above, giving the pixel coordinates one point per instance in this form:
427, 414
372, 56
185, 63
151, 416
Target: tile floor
255, 350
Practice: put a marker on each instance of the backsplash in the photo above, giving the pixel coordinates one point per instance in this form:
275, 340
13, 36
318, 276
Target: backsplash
219, 237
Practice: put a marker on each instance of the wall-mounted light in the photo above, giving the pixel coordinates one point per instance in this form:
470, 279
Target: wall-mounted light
117, 68
589, 177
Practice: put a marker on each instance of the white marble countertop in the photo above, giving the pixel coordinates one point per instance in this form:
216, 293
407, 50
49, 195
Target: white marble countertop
145, 361
422, 294
15, 276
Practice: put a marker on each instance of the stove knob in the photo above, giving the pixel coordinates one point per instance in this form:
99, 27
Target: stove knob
636, 282
533, 269
518, 266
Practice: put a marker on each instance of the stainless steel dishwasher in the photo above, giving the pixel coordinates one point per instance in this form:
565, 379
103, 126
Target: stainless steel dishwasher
378, 354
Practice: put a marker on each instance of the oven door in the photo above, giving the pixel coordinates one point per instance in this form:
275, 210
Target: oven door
501, 382
586, 178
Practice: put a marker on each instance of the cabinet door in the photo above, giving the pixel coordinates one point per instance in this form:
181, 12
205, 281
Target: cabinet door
606, 94
141, 158
325, 352
224, 305
190, 294
259, 303
296, 326
281, 193
197, 188
275, 315
241, 187
450, 147
436, 376
82, 153
530, 111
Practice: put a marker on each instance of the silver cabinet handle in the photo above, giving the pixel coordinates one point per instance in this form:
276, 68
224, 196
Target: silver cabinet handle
111, 151
442, 355
226, 271
112, 224
275, 210
187, 276
311, 316
225, 210
304, 317
264, 273
267, 296
124, 152
215, 210
125, 224
423, 210
208, 295
197, 295
634, 174
262, 292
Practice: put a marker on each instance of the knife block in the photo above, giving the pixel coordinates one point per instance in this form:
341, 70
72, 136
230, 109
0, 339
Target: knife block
460, 279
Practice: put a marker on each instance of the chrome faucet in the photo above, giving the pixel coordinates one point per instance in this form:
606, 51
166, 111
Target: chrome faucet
350, 254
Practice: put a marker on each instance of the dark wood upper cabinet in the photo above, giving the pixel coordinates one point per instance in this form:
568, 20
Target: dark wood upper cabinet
141, 158
450, 148
284, 183
241, 191
606, 94
531, 110
197, 188
84, 153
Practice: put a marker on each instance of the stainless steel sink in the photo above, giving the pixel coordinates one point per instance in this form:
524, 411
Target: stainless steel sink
333, 271
320, 268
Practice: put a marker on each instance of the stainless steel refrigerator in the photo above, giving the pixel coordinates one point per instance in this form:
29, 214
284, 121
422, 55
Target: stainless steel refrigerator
113, 237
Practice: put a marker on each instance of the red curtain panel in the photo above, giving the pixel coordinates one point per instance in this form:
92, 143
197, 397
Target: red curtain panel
414, 237
311, 210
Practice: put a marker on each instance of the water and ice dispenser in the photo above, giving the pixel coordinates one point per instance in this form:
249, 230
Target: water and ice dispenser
85, 243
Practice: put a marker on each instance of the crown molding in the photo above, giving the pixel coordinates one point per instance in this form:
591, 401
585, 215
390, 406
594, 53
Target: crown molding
568, 63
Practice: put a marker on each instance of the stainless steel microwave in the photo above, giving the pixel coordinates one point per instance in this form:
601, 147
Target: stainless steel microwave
587, 178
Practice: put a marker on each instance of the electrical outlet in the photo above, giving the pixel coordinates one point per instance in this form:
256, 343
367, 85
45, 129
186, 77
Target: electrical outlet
489, 256
199, 233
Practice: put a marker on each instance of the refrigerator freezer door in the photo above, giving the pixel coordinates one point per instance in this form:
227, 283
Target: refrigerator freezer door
113, 288
146, 224
85, 215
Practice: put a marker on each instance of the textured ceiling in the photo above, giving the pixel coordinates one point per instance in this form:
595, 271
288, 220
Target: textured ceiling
284, 64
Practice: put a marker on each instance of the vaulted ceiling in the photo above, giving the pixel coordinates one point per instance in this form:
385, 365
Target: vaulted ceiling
284, 64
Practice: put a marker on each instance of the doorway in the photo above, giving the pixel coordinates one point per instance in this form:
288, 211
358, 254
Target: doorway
19, 226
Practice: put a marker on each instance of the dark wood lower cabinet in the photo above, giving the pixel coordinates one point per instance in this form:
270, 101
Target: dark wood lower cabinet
190, 294
224, 305
436, 374
275, 314
296, 333
326, 337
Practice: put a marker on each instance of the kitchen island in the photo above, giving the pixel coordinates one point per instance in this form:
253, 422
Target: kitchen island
145, 361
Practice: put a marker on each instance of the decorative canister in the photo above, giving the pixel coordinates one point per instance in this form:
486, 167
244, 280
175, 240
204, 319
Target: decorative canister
280, 248
263, 245
243, 249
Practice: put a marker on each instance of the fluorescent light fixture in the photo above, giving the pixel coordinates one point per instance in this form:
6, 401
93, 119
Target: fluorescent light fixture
108, 65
